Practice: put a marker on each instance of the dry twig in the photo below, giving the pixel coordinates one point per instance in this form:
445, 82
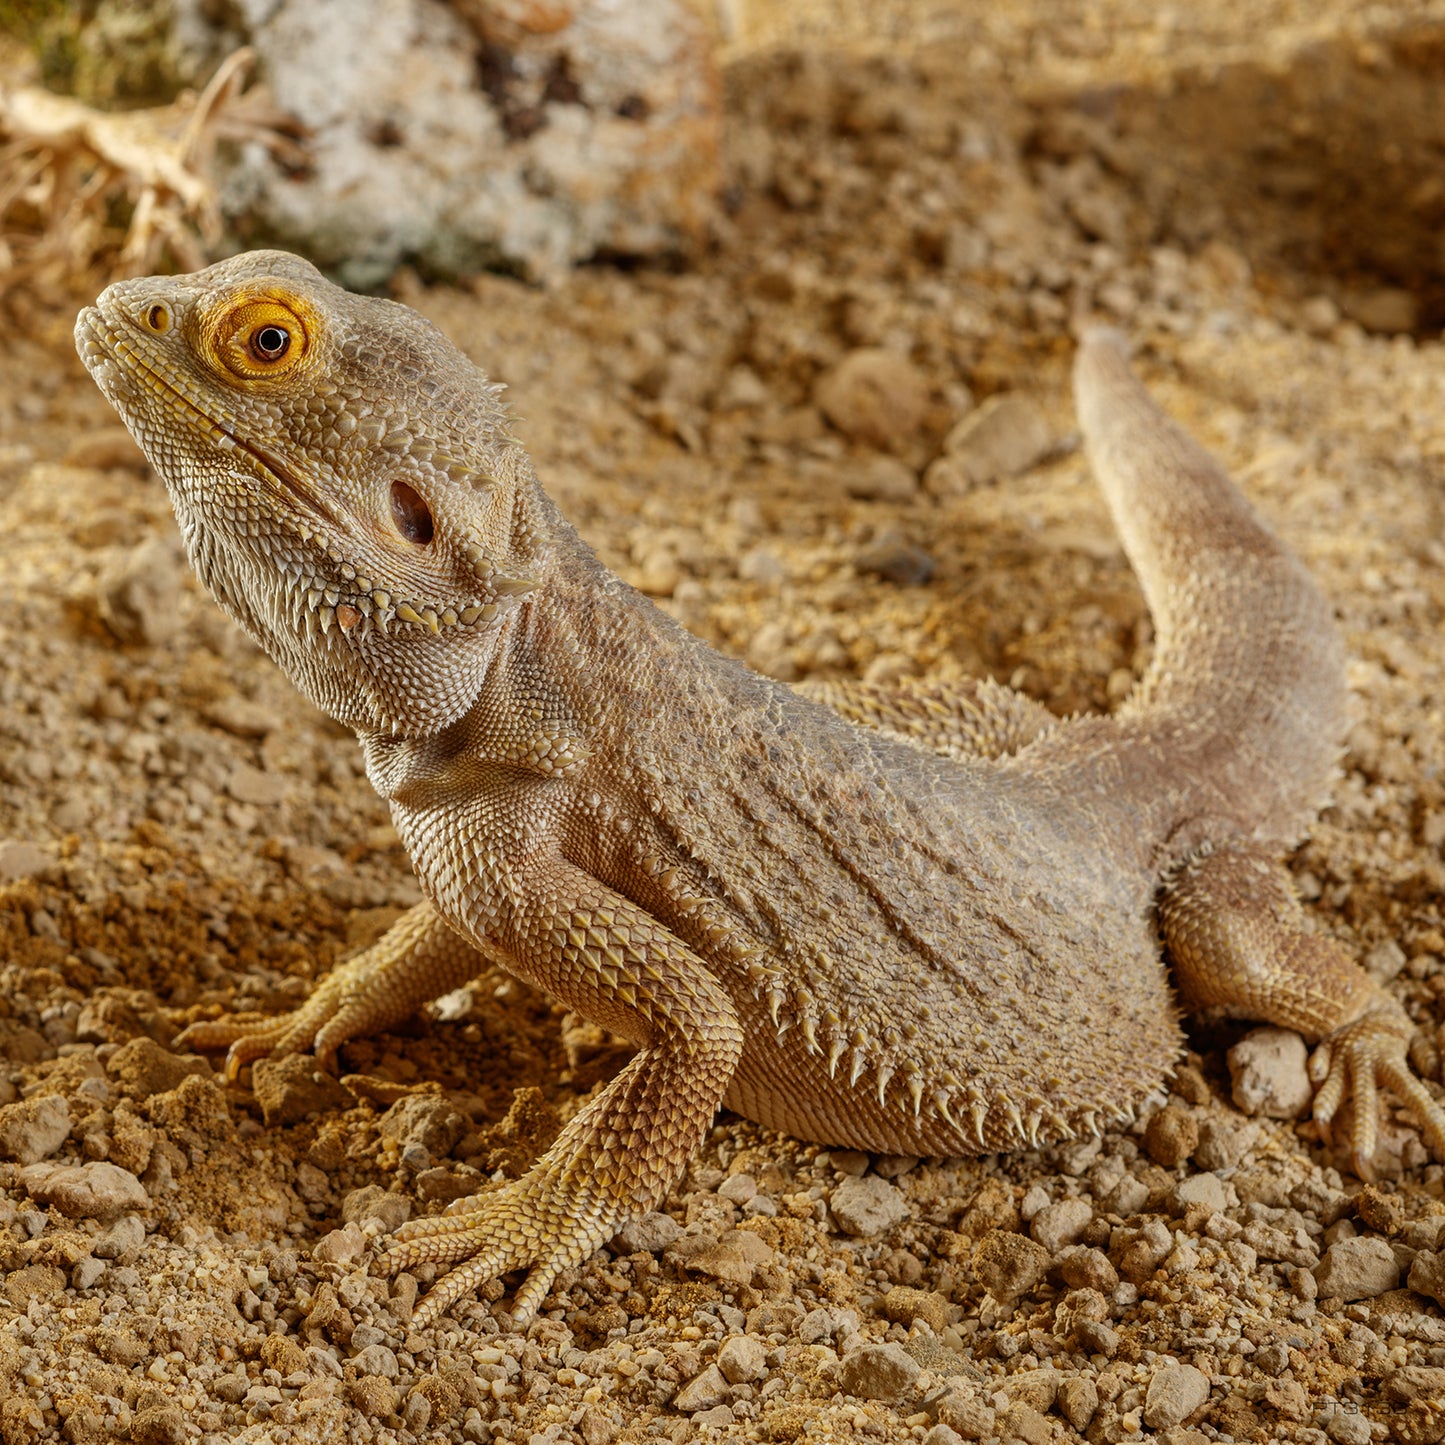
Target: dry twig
85, 191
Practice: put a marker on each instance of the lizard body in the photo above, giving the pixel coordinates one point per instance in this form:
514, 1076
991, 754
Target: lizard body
913, 920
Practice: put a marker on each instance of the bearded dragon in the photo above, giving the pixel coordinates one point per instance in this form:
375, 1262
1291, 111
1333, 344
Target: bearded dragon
916, 919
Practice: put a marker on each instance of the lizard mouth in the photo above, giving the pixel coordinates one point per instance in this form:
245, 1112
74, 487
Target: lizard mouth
107, 352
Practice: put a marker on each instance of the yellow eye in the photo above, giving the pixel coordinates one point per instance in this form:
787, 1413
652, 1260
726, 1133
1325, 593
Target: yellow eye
260, 338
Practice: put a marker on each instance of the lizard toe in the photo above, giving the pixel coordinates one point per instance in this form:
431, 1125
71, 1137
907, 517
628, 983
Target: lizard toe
528, 1223
312, 1027
1355, 1062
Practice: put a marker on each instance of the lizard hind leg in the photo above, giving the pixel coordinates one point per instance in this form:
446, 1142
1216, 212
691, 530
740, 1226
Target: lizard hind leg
963, 718
1238, 941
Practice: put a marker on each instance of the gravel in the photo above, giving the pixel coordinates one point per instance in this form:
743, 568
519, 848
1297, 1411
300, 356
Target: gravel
180, 834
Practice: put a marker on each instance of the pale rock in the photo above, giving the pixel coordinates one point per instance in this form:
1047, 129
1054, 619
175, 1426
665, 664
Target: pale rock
738, 1189
647, 1234
824, 1324
1408, 1383
1078, 1400
742, 1359
1175, 1392
718, 1418
1427, 1275
341, 1246
139, 594
703, 1392
34, 1129
1009, 1264
597, 129
124, 1237
1268, 1067
85, 1191
1385, 960
1208, 1190
875, 396
1224, 1141
1358, 1268
879, 478
1037, 1389
1008, 434
966, 1415
1349, 1427
86, 1273
20, 860
1058, 1225
867, 1206
375, 1359
250, 785
242, 716
734, 1258
879, 1372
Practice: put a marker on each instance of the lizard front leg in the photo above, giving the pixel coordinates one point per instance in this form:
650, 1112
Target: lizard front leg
419, 958
1236, 934
614, 963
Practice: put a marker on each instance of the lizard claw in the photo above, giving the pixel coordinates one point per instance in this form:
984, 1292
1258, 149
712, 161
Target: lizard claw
523, 1224
1354, 1062
418, 959
320, 1024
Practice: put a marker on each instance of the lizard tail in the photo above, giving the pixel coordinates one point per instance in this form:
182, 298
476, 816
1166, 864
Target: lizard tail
1244, 705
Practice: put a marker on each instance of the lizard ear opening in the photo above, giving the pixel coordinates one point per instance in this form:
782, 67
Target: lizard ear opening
411, 515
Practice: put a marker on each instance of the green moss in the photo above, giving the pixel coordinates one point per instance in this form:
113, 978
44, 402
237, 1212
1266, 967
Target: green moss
50, 28
124, 56
114, 54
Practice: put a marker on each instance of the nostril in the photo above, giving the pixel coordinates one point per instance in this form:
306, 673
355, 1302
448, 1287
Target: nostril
158, 318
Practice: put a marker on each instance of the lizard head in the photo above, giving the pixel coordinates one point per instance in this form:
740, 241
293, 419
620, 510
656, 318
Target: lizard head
341, 473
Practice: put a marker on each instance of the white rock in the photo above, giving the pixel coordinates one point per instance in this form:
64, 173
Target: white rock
867, 1206
85, 1191
742, 1359
1269, 1073
1008, 434
571, 128
1057, 1225
34, 1129
1176, 1391
1359, 1268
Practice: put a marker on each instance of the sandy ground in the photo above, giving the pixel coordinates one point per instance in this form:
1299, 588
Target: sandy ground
180, 834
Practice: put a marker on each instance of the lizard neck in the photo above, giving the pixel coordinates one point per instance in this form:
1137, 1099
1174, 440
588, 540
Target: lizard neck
580, 668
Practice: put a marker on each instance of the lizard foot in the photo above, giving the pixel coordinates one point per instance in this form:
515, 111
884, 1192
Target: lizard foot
1355, 1061
322, 1024
528, 1223
416, 960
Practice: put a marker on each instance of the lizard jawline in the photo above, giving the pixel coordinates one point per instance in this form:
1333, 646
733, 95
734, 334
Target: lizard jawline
286, 484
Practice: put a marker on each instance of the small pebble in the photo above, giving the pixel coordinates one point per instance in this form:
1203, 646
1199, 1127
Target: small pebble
879, 1372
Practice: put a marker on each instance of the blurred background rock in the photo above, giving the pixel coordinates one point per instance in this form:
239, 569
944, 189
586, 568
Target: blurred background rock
503, 134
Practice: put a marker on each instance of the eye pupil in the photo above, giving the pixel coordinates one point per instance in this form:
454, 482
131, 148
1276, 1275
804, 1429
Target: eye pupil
411, 515
270, 342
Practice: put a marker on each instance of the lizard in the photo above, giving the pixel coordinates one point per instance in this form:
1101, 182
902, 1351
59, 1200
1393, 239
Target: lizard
914, 919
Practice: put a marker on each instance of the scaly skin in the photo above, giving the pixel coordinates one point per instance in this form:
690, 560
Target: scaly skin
934, 933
